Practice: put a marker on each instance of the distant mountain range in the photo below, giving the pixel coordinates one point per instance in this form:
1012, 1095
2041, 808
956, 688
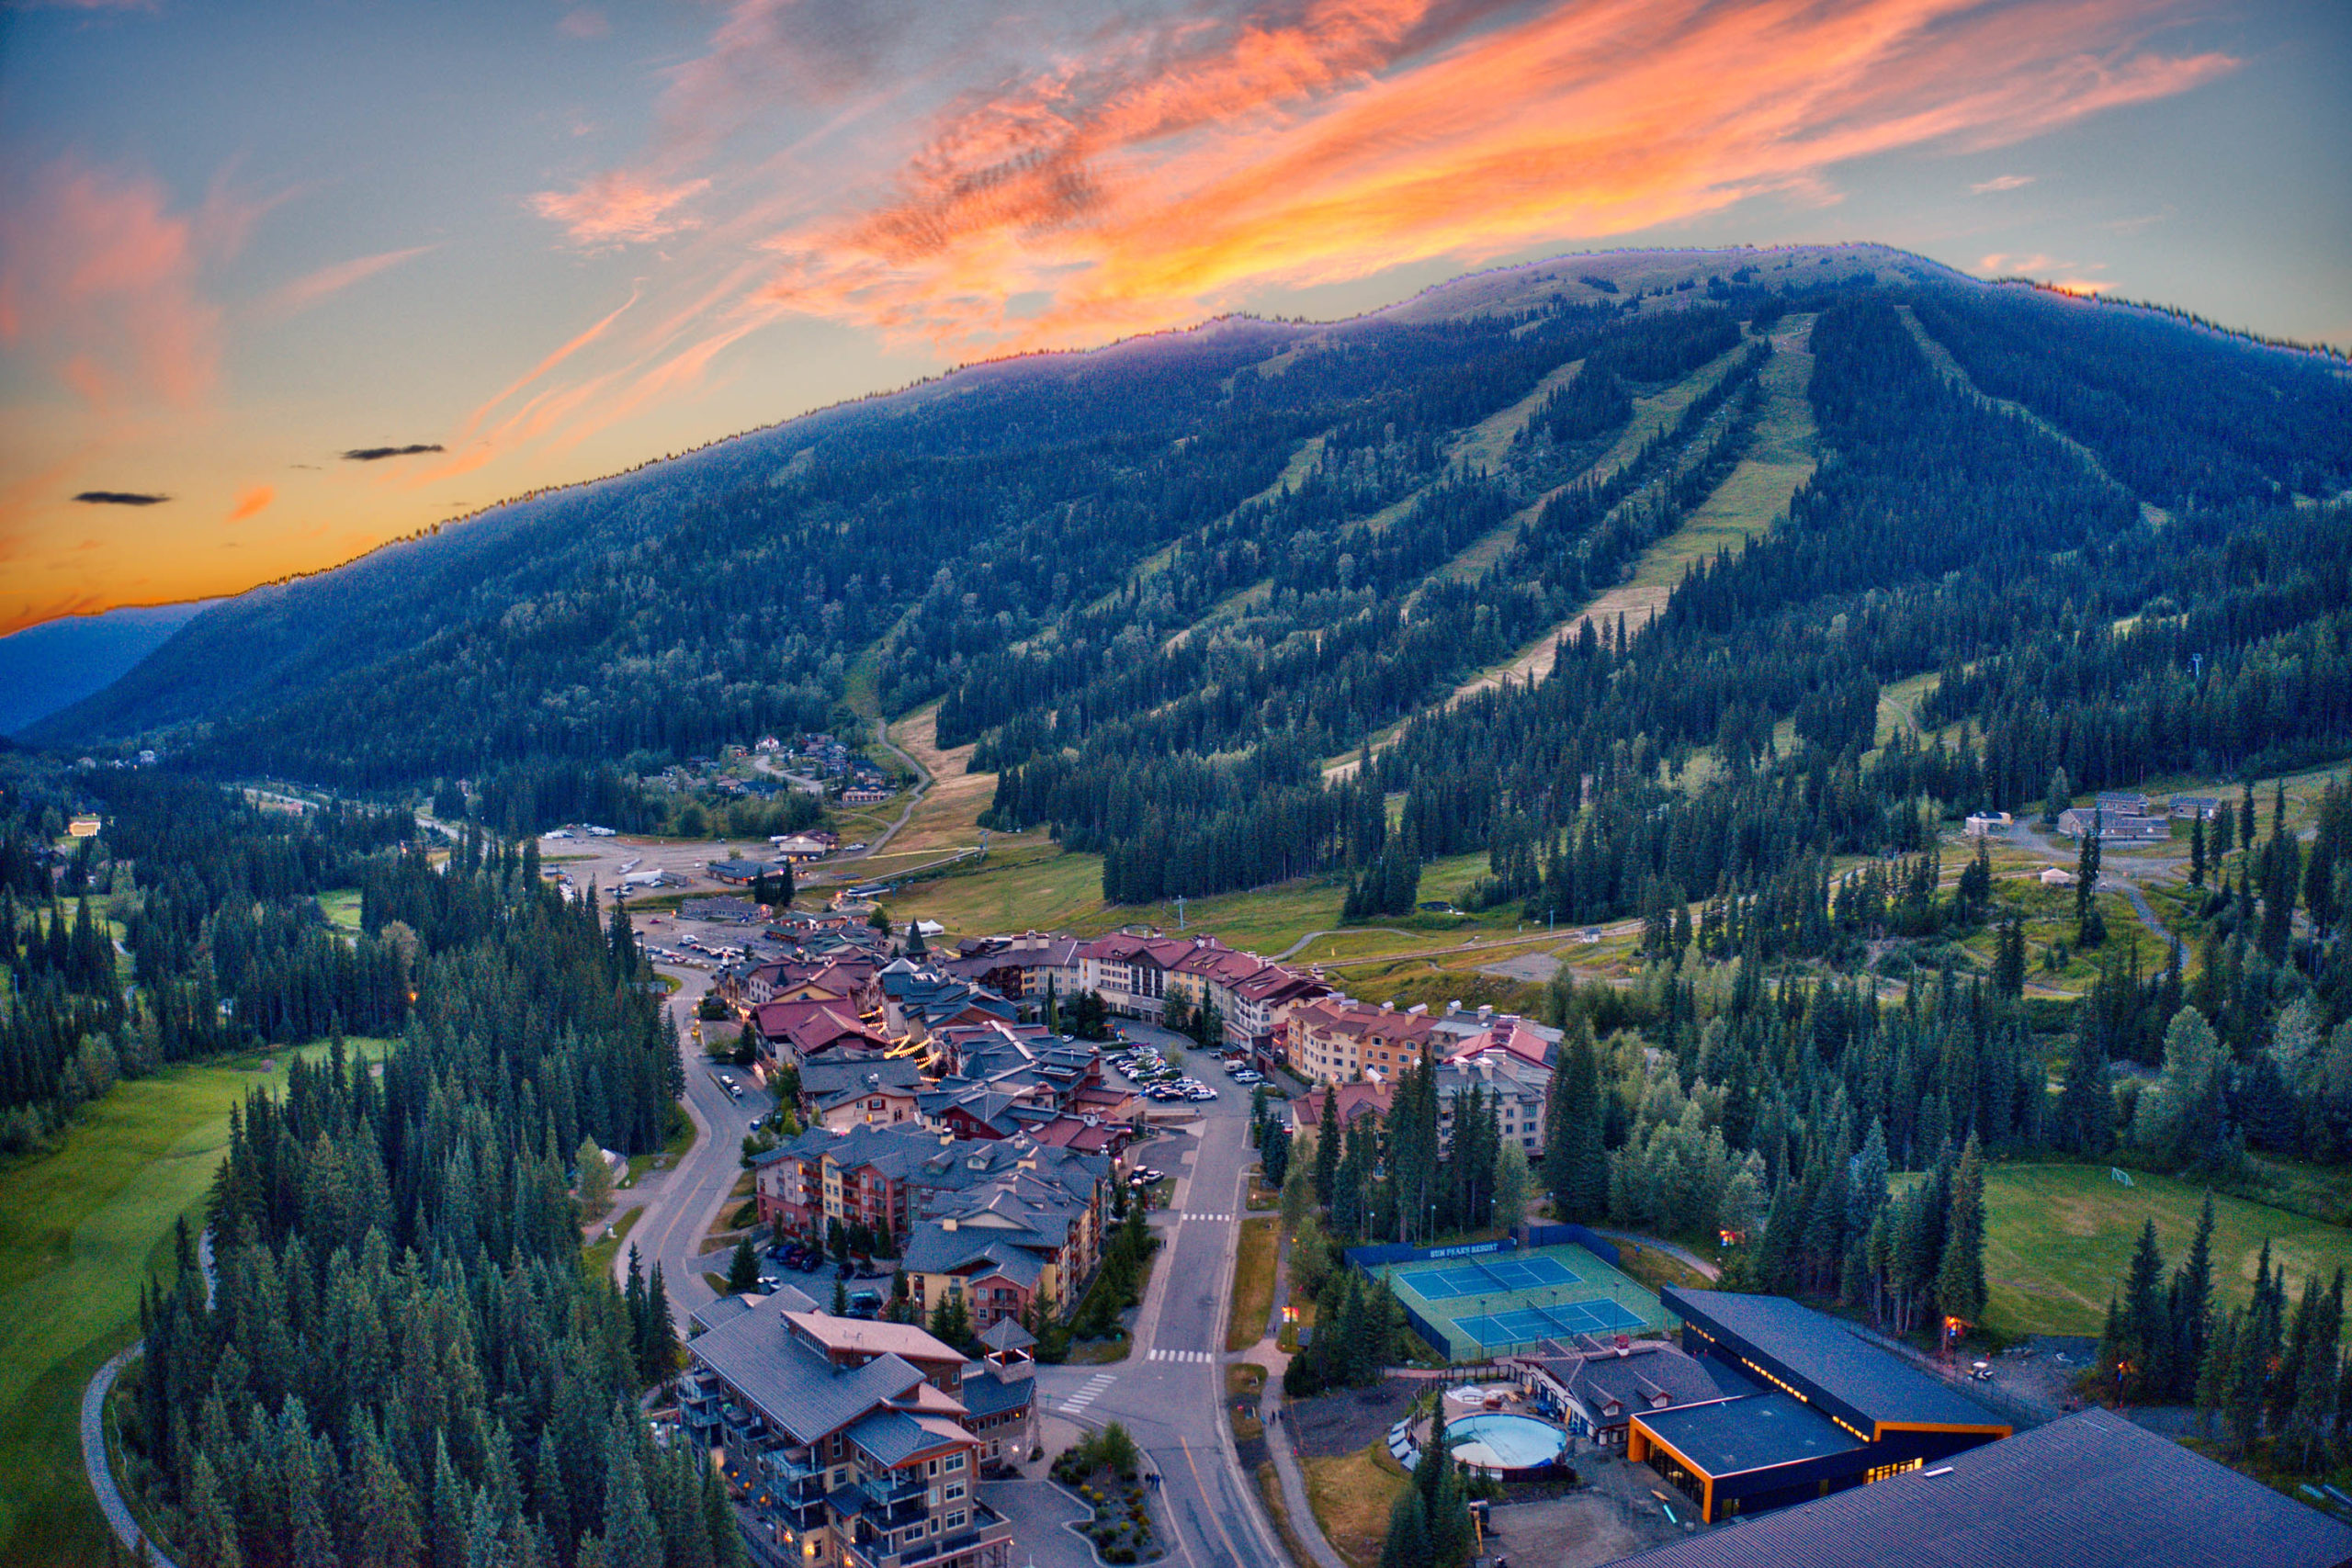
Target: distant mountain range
1174, 587
58, 664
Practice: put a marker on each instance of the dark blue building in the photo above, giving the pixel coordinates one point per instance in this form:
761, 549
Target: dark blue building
1834, 1410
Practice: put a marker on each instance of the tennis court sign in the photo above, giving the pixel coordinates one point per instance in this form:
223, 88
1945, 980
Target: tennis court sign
1468, 1249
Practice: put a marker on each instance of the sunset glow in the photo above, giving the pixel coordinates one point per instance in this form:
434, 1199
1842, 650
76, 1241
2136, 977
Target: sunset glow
320, 322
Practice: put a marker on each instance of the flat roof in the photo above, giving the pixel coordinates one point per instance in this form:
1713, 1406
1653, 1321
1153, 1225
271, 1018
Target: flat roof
1819, 1349
1736, 1435
2090, 1491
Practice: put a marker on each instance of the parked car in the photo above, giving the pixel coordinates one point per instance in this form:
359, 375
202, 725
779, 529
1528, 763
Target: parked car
1249, 1076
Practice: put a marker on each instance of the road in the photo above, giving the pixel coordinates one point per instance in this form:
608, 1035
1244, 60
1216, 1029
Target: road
1169, 1391
681, 1203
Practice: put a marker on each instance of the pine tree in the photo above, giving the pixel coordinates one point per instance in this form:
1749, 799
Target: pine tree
1408, 1545
1960, 1278
1327, 1148
742, 1269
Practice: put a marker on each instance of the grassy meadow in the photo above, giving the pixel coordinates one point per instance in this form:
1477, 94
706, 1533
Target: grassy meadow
2059, 1239
82, 1226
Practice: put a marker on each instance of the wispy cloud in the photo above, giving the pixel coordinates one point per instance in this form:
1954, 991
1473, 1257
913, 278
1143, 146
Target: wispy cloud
313, 288
252, 502
584, 22
377, 454
618, 208
1170, 164
121, 498
99, 281
1999, 183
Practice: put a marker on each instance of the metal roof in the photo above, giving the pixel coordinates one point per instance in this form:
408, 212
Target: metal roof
2091, 1491
1813, 1349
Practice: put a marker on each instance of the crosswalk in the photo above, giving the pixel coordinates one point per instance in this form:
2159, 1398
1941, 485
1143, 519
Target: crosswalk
1094, 1389
1196, 1358
1195, 1214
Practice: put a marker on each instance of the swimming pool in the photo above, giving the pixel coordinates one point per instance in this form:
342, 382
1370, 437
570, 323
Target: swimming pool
1504, 1442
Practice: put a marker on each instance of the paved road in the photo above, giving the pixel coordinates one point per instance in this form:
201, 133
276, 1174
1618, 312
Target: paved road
96, 1462
1169, 1391
681, 1203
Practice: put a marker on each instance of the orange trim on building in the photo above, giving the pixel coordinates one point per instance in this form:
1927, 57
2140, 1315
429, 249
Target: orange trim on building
1883, 1427
1633, 1455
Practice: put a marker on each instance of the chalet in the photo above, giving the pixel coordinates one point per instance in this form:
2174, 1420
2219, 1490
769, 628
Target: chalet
850, 1442
841, 1092
792, 1032
2202, 807
1044, 1201
739, 873
1990, 824
1597, 1386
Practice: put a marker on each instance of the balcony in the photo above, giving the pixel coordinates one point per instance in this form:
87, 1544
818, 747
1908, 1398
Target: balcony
893, 1503
984, 1528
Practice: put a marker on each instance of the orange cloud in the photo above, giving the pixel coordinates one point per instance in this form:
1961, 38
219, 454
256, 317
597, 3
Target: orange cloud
616, 207
98, 279
1136, 192
1148, 174
252, 502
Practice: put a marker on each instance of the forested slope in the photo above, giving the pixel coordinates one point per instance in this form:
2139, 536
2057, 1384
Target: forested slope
1109, 573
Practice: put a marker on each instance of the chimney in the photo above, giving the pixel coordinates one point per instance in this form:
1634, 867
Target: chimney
1484, 1013
1452, 1007
1417, 1009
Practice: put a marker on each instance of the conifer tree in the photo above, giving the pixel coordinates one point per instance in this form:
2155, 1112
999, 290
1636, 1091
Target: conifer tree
742, 1269
1960, 1276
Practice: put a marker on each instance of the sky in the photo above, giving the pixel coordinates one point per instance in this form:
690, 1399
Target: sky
279, 282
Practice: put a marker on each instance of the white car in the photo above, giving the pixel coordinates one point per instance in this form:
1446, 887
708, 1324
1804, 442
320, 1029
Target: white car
1249, 1076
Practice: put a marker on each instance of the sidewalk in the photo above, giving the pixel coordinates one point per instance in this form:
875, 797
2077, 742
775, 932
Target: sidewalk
1268, 1353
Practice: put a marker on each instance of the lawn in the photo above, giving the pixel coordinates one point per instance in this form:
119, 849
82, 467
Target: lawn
1351, 1495
2059, 1239
1253, 1283
342, 910
82, 1227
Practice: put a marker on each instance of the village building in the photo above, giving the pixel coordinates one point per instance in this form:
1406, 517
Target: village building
855, 1443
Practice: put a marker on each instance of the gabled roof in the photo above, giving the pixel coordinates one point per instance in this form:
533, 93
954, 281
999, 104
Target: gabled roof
2090, 1491
893, 1437
792, 1385
1632, 1381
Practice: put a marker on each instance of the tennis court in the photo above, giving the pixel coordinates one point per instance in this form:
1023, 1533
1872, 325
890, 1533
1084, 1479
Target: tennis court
1499, 1302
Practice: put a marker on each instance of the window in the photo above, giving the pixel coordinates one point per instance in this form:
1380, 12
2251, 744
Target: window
955, 1461
955, 1489
1885, 1471
955, 1520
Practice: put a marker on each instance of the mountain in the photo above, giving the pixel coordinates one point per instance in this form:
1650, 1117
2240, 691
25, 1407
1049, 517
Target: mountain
58, 664
1607, 563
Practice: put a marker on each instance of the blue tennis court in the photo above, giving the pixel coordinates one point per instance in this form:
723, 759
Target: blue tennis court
1488, 1304
1521, 1325
1483, 1277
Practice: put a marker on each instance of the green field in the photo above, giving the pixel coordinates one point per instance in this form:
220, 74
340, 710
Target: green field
2059, 1239
81, 1227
